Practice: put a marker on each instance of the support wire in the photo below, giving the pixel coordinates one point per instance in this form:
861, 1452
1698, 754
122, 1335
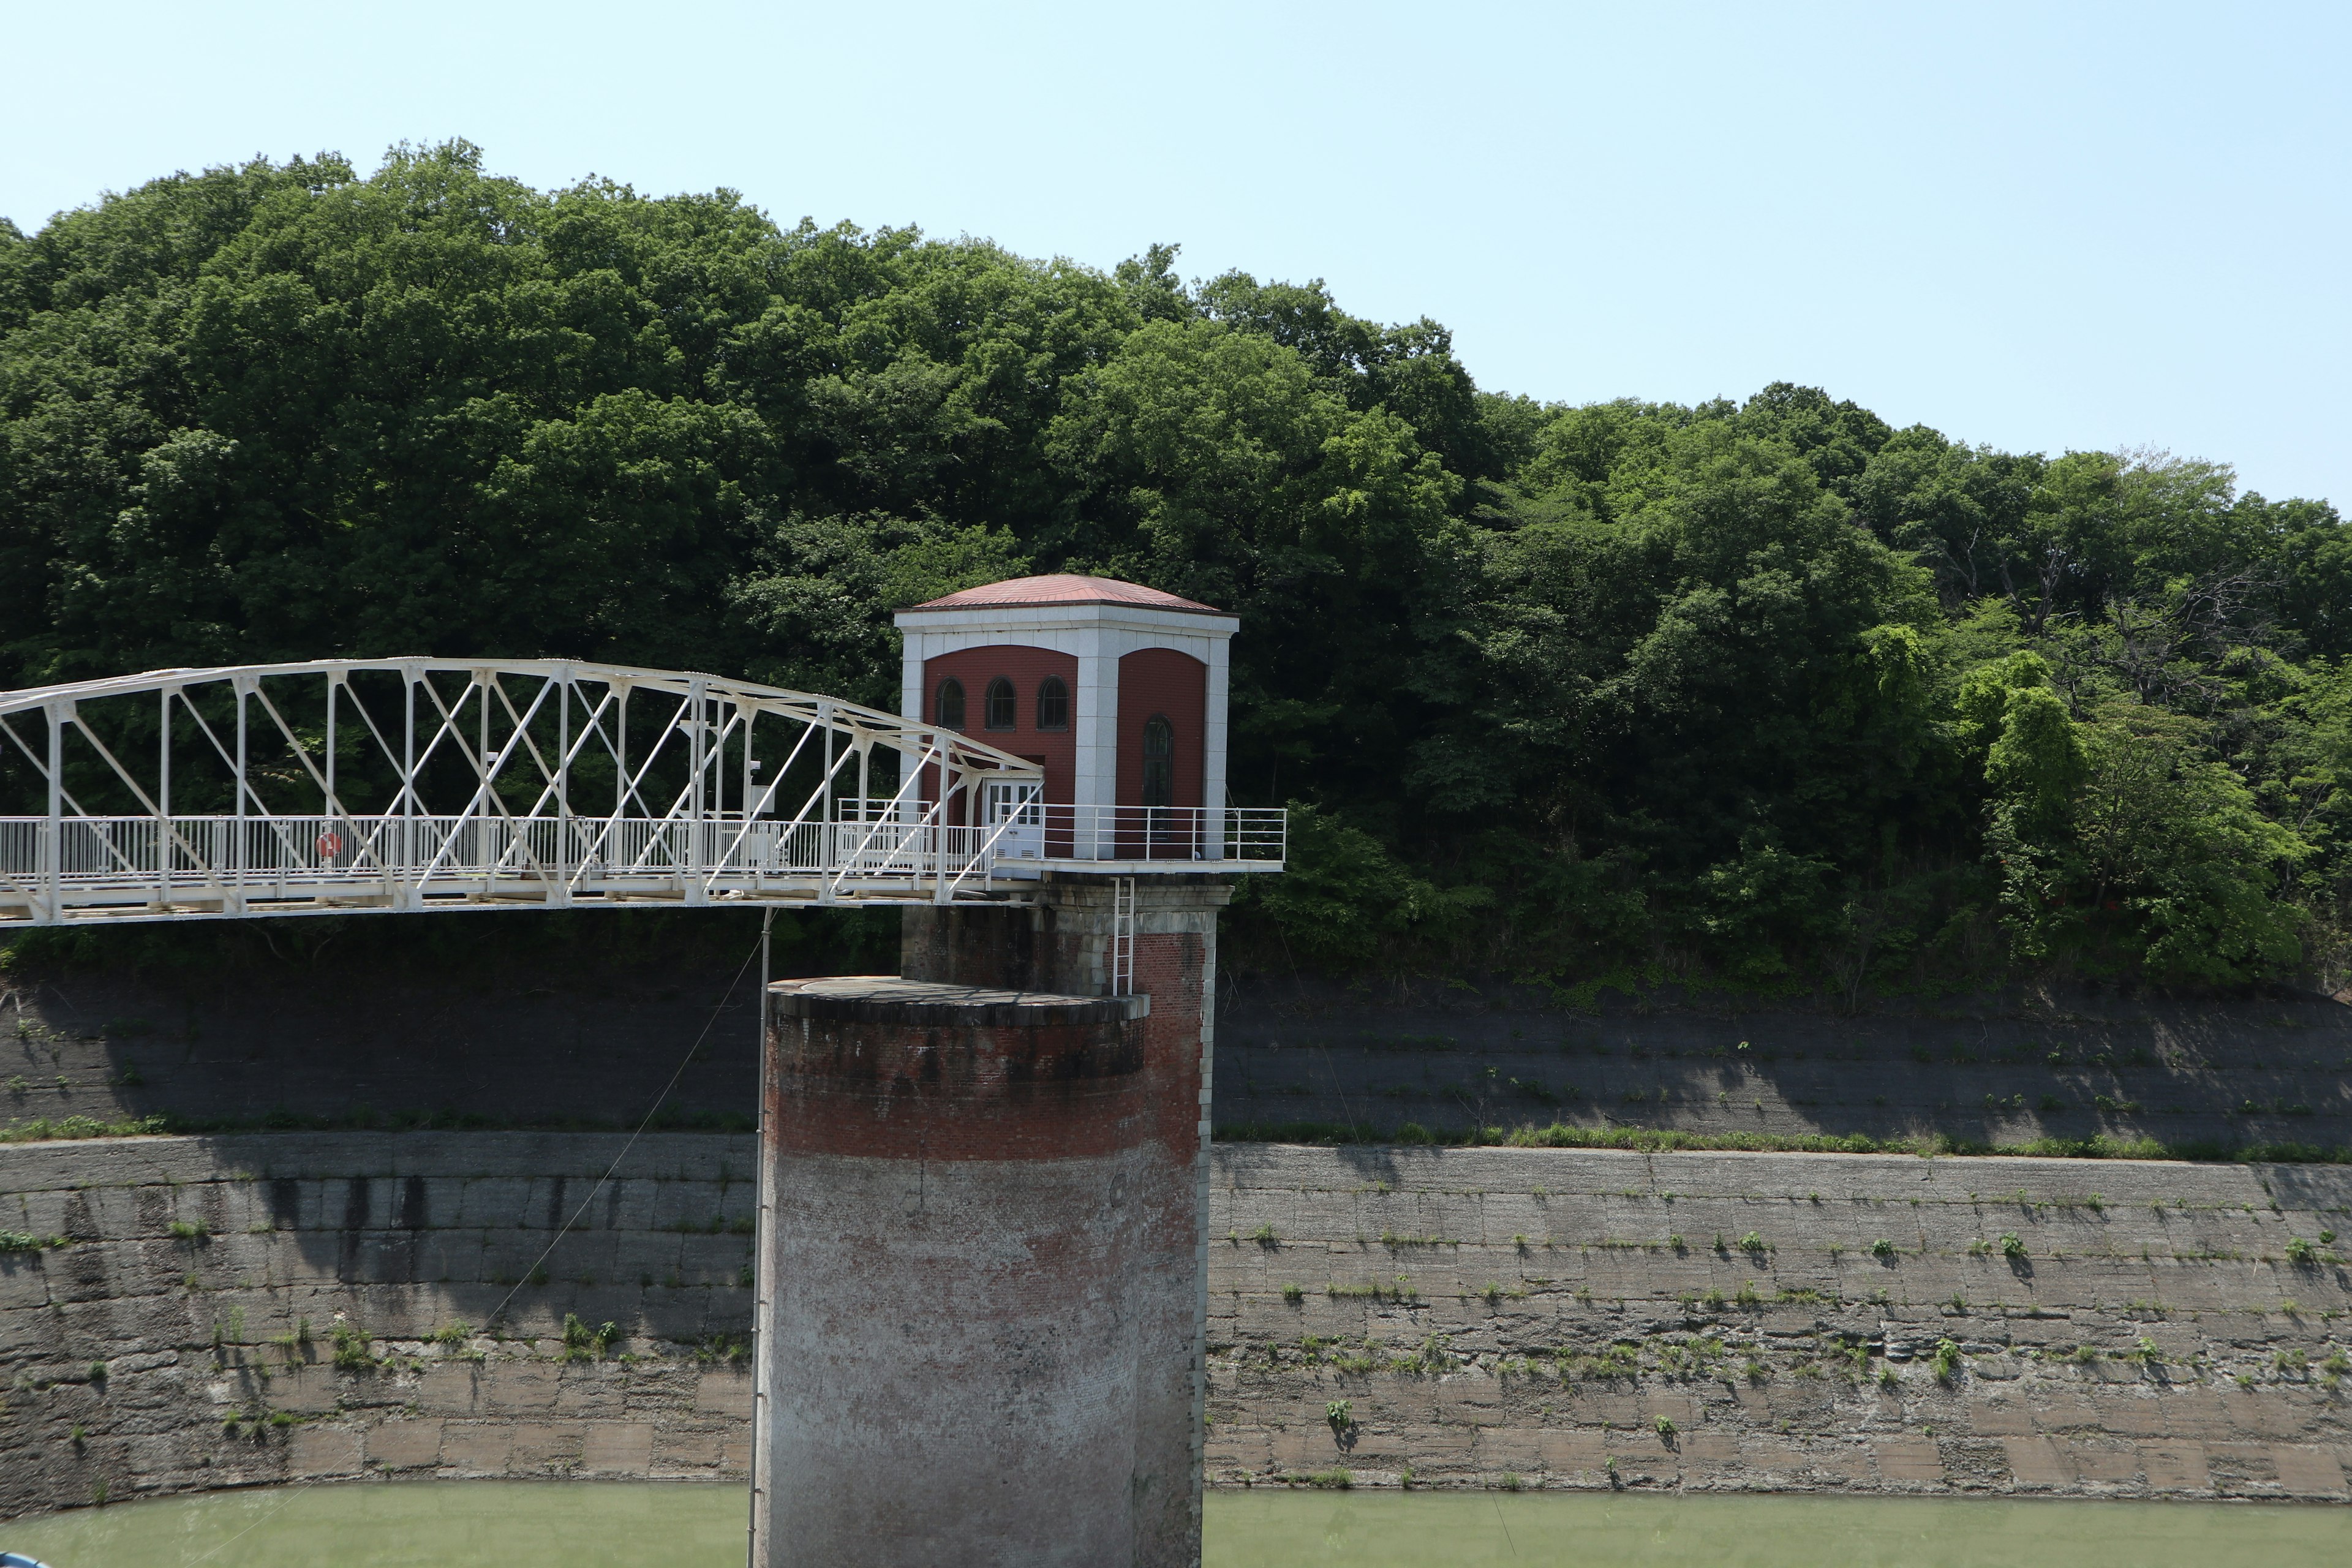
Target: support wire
601, 1182
763, 1304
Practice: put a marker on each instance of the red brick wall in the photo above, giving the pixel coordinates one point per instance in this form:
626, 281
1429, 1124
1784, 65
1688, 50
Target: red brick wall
1026, 666
1168, 969
911, 1091
1059, 948
1161, 680
1170, 966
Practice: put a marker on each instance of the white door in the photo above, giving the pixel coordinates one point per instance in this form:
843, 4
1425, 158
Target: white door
1018, 808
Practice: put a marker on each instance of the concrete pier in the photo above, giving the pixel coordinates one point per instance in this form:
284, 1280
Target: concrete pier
959, 1359
1065, 939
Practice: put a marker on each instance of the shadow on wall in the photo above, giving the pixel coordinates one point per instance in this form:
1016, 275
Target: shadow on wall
190, 1312
1994, 1070
416, 1231
549, 1021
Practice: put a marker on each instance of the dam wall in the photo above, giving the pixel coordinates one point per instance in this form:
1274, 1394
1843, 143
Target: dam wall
199, 1312
1989, 1068
1476, 1317
561, 1044
1850, 1323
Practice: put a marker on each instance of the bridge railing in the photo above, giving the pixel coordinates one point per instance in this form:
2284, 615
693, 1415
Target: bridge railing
127, 860
118, 850
131, 851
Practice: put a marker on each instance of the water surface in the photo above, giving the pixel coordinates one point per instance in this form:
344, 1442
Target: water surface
525, 1524
1605, 1529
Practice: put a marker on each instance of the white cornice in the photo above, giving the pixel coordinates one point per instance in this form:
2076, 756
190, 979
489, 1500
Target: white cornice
1025, 618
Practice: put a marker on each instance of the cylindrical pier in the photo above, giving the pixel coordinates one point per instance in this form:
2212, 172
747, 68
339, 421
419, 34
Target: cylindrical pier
957, 1357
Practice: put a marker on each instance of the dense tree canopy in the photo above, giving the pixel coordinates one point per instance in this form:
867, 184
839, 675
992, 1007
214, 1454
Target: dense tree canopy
1769, 693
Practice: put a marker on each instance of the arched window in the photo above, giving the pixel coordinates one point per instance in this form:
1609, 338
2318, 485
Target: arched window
1004, 710
1053, 704
947, 710
1158, 761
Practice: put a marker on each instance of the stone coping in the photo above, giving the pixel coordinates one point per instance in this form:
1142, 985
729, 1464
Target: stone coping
888, 999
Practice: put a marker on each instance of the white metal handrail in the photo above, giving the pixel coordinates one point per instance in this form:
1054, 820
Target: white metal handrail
106, 851
1227, 835
130, 867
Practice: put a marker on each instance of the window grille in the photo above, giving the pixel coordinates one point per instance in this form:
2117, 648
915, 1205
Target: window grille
1158, 761
1053, 704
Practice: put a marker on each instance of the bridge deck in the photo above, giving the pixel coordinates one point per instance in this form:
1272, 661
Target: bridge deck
115, 868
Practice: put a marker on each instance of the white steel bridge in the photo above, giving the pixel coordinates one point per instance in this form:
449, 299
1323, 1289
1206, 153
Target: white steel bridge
424, 784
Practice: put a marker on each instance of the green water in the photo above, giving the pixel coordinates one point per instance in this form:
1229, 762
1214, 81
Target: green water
509, 1524
1602, 1530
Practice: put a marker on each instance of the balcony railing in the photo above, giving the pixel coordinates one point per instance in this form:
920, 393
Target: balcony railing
1228, 835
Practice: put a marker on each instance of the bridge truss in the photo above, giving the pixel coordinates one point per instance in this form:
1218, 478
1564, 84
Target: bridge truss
417, 784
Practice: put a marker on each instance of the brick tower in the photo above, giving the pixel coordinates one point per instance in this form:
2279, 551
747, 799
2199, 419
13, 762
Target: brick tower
989, 1174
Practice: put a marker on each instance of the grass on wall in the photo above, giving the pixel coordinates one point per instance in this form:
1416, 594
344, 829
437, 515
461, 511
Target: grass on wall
1656, 1140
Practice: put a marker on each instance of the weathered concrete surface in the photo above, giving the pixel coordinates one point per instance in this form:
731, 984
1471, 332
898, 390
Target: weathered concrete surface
1745, 1320
408, 1233
1064, 942
961, 1181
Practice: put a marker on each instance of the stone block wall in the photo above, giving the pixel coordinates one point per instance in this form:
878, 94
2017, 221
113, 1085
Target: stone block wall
1497, 1317
239, 1311
554, 1046
1989, 1068
1482, 1314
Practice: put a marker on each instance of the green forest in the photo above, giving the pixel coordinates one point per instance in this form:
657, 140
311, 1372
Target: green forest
1769, 695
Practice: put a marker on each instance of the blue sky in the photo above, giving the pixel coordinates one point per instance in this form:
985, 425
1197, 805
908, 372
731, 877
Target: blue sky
2039, 226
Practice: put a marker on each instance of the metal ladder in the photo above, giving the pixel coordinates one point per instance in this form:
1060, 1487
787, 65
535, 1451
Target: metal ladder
1122, 936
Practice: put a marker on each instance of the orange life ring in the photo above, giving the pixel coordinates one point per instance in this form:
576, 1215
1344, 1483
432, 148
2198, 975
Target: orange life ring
329, 846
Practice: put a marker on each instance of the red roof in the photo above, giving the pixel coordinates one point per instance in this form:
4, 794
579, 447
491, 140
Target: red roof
1064, 588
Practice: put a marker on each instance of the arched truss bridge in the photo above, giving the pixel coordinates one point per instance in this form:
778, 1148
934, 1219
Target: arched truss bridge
424, 784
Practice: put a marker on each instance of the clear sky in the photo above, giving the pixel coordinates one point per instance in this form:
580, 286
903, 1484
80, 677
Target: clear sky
2040, 226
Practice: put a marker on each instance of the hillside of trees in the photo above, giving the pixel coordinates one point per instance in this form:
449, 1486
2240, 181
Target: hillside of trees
1766, 694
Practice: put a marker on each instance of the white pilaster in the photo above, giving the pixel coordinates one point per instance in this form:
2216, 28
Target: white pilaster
1212, 748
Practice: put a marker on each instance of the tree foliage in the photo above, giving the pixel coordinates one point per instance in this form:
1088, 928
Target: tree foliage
1767, 692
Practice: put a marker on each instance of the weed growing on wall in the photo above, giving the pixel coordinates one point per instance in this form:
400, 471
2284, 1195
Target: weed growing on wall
352, 1351
1665, 1140
25, 1241
581, 1343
